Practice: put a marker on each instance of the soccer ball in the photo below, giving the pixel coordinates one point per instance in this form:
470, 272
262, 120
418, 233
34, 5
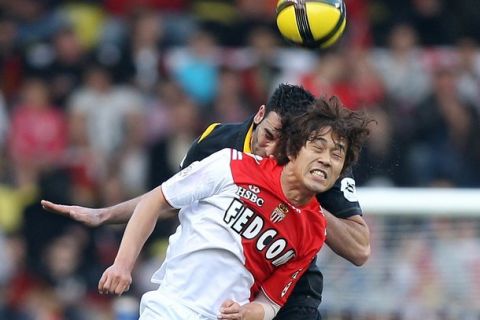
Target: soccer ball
311, 23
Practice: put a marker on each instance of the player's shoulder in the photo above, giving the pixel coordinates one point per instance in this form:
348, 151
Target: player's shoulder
341, 200
246, 158
219, 131
223, 135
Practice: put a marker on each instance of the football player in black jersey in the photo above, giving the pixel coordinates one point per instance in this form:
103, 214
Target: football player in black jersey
348, 233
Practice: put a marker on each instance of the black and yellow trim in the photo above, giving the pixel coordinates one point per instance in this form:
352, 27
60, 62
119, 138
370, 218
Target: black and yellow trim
208, 131
247, 143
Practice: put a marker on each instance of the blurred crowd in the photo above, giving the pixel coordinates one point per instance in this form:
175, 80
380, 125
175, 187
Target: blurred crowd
420, 268
99, 101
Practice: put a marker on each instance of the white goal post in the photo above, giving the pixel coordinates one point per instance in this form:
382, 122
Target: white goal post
424, 262
420, 201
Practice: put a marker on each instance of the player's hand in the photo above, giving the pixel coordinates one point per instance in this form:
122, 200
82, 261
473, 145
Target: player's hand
115, 280
230, 310
88, 216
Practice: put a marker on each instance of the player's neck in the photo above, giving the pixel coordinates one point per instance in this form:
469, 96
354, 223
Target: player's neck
293, 189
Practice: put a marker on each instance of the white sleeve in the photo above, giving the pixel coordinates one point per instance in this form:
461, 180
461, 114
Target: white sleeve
269, 307
199, 180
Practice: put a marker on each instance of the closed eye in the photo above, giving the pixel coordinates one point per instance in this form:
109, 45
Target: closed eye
269, 135
337, 155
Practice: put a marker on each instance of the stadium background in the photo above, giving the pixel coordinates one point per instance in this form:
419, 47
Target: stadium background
100, 100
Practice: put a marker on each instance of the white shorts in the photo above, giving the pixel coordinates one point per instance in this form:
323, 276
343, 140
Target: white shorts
156, 305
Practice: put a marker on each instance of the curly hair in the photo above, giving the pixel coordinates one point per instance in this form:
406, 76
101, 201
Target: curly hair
344, 123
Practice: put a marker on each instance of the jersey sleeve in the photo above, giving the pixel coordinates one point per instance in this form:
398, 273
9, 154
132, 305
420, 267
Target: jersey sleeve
199, 180
341, 200
280, 284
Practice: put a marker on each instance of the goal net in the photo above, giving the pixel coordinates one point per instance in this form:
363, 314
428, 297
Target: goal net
425, 260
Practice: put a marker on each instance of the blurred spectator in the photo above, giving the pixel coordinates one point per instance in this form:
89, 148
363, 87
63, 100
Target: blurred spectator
406, 79
262, 67
362, 86
4, 122
468, 65
124, 7
132, 158
358, 33
219, 18
415, 277
157, 120
11, 64
86, 18
166, 154
349, 76
380, 161
457, 241
433, 22
15, 196
446, 145
6, 268
100, 110
37, 136
36, 23
62, 261
467, 15
66, 69
329, 70
229, 104
19, 280
195, 67
254, 15
383, 14
143, 56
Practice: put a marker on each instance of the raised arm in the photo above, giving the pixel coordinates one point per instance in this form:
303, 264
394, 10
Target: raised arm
121, 213
94, 217
117, 278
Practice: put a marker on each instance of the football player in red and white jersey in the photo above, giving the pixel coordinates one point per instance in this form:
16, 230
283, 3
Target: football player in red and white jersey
249, 226
348, 231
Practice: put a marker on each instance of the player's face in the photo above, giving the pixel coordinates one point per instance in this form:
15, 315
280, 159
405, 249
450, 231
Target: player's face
320, 162
265, 136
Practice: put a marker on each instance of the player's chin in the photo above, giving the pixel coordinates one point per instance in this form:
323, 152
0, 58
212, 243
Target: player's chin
317, 185
314, 189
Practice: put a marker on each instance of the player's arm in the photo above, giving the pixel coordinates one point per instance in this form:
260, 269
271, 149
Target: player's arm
94, 217
121, 213
348, 237
347, 232
117, 278
259, 309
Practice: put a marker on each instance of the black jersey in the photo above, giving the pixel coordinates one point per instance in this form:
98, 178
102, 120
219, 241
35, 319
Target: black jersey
340, 200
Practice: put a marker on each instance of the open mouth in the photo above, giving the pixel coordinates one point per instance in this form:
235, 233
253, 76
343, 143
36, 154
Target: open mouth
319, 173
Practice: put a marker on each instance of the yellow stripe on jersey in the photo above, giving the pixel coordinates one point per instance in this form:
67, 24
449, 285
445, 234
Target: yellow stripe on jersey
247, 144
208, 131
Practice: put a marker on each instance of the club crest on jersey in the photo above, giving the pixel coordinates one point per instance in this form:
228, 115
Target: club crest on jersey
279, 213
250, 194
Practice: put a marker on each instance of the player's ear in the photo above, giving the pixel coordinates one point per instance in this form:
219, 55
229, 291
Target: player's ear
259, 115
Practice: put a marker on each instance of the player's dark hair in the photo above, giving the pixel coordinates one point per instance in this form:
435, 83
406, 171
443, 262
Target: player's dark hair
289, 100
344, 123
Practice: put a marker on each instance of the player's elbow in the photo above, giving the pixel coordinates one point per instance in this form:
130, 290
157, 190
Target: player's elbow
361, 256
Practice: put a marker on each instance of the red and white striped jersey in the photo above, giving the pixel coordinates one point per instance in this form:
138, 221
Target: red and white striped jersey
238, 233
